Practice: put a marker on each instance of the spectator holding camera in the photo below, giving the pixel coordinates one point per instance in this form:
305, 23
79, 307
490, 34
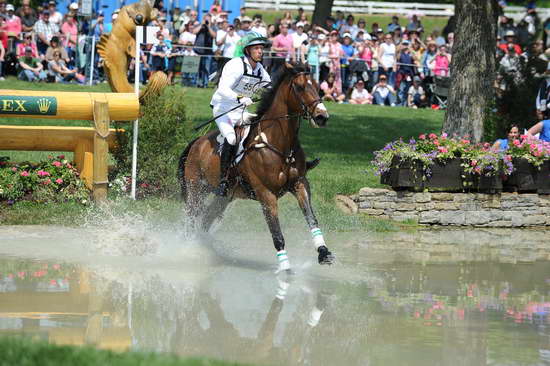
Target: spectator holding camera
203, 47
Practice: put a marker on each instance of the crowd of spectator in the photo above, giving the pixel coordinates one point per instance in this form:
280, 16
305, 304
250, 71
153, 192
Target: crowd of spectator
394, 64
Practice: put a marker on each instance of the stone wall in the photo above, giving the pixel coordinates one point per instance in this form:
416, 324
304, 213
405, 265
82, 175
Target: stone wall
458, 209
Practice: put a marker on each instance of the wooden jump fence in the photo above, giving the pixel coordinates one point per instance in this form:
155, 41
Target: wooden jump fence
90, 144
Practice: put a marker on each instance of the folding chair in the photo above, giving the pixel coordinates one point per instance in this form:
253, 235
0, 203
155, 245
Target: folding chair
441, 91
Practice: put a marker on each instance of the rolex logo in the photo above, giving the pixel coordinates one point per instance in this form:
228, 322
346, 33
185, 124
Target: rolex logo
43, 105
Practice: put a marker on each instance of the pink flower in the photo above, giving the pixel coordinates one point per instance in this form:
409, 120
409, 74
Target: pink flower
24, 173
46, 182
474, 162
464, 141
14, 169
56, 267
422, 137
443, 136
61, 157
53, 282
442, 149
523, 137
516, 142
436, 143
42, 173
432, 136
59, 181
69, 166
57, 163
508, 157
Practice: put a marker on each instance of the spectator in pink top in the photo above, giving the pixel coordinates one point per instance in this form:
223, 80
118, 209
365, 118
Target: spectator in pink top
27, 42
442, 62
283, 46
70, 30
13, 22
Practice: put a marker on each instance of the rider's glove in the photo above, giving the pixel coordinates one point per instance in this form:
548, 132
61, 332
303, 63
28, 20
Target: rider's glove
246, 101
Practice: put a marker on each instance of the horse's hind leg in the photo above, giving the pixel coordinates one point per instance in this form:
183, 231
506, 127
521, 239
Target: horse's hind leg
215, 210
303, 194
270, 210
195, 202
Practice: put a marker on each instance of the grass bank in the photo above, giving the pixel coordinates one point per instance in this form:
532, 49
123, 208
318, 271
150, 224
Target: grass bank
345, 147
430, 23
24, 352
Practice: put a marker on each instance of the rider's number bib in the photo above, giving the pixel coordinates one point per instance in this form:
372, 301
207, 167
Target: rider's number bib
247, 85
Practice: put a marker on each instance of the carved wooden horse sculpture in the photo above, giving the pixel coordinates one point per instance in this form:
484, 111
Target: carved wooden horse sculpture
273, 162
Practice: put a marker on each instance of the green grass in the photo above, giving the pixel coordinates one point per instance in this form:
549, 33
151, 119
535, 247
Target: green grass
430, 23
345, 147
24, 352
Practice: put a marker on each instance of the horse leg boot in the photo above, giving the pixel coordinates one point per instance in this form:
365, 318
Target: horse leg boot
302, 193
228, 152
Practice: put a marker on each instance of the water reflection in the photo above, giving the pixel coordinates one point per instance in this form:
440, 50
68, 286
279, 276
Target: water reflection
392, 300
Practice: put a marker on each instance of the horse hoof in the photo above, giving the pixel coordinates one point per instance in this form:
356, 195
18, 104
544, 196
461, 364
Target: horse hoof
325, 256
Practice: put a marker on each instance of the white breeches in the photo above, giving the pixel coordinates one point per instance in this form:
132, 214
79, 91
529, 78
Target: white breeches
227, 122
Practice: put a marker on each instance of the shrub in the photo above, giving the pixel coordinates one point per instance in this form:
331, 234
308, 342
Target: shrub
163, 135
54, 180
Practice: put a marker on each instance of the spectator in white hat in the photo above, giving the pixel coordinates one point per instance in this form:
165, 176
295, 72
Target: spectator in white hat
13, 23
510, 38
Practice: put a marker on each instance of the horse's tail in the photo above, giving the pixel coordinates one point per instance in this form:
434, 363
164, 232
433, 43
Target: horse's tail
181, 169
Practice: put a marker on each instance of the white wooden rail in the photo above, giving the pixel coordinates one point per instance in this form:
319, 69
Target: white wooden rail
376, 7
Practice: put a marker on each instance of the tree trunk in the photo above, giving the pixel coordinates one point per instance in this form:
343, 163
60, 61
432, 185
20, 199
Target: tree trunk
322, 11
472, 68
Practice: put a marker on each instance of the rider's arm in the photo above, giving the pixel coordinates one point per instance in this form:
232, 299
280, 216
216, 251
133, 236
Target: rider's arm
229, 77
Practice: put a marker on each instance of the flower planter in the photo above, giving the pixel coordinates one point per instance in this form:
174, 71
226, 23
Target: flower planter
446, 175
543, 178
404, 175
486, 184
523, 178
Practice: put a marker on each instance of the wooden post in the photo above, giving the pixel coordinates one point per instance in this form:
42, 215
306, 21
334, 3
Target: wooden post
101, 150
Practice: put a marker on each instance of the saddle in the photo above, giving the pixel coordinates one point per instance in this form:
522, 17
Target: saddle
242, 134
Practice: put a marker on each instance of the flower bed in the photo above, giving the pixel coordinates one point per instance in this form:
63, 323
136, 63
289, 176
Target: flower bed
435, 162
54, 180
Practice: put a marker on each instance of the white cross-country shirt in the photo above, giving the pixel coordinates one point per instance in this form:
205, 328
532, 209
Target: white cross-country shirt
235, 81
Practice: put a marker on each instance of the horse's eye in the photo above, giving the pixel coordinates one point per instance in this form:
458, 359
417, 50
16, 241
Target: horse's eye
139, 19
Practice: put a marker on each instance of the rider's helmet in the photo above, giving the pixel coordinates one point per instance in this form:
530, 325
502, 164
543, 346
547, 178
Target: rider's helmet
254, 38
251, 39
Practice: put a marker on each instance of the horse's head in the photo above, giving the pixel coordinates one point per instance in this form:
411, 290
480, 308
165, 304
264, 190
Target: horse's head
306, 91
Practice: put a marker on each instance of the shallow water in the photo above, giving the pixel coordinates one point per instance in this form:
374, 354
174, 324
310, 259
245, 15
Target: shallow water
446, 297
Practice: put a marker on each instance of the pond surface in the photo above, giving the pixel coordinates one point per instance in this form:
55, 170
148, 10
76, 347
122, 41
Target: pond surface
474, 297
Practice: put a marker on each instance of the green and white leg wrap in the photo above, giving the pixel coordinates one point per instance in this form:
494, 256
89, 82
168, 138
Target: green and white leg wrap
284, 263
314, 317
317, 236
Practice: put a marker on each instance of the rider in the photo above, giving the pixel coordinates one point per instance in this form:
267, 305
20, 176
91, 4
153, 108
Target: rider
241, 77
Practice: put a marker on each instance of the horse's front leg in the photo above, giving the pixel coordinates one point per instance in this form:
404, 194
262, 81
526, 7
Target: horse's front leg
270, 208
302, 193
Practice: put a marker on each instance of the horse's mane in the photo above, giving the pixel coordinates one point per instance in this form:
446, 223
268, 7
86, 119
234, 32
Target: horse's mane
268, 96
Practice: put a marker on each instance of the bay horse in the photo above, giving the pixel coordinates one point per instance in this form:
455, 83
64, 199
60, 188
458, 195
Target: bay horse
273, 161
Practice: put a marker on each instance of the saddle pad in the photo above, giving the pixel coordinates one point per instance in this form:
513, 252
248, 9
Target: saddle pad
242, 134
